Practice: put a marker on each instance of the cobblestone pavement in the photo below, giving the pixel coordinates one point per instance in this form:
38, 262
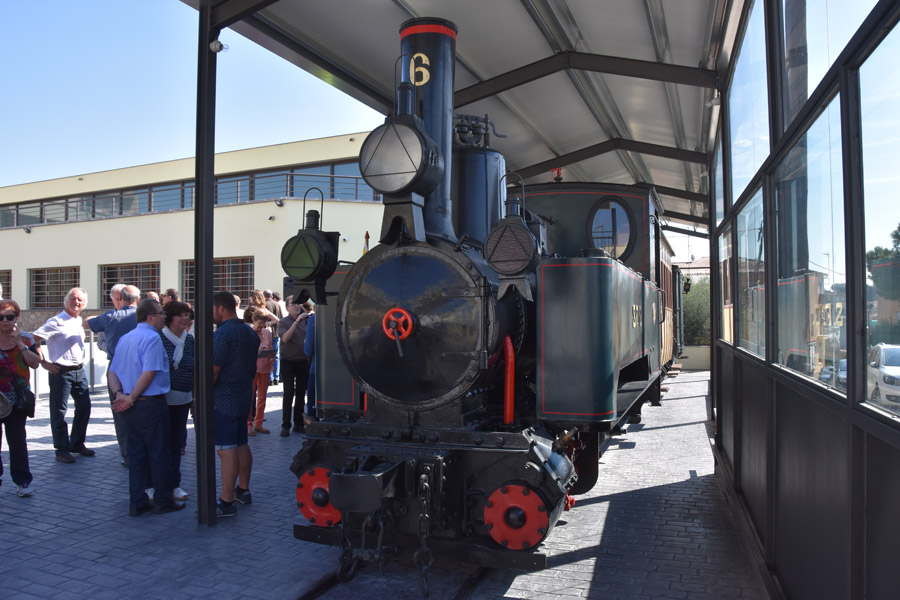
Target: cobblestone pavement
655, 526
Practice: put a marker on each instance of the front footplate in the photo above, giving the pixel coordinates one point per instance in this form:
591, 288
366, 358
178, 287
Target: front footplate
484, 554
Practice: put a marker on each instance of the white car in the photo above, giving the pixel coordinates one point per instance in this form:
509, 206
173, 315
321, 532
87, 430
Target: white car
883, 375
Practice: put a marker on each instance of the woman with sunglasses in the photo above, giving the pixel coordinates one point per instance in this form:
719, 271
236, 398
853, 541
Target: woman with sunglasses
17, 355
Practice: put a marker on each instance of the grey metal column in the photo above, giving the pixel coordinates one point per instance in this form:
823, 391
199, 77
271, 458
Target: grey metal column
204, 203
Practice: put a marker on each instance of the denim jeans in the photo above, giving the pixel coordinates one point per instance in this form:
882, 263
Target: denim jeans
61, 386
276, 368
149, 451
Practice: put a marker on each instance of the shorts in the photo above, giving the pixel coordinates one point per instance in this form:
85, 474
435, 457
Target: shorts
231, 432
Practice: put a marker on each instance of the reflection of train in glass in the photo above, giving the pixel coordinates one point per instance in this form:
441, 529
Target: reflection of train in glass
473, 365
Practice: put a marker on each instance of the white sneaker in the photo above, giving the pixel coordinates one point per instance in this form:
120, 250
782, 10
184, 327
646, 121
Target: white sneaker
179, 495
149, 492
23, 491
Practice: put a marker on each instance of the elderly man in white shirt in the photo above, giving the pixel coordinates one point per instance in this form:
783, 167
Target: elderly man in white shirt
64, 337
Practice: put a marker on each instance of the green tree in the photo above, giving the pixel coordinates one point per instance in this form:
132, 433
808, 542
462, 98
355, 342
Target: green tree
884, 267
696, 314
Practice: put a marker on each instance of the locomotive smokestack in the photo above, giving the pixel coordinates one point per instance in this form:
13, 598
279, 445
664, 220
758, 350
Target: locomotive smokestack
428, 50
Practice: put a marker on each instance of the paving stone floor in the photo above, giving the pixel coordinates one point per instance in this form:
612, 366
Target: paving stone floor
656, 526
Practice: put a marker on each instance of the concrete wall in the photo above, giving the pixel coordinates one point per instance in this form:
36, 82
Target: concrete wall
696, 358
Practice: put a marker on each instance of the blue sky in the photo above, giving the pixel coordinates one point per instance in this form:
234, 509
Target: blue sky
94, 85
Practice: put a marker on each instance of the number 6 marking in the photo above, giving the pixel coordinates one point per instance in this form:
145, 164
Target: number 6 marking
420, 75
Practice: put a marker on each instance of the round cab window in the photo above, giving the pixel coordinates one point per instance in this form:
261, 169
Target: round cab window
610, 227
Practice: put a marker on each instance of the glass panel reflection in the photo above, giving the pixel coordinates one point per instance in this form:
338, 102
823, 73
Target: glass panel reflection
719, 183
748, 105
880, 103
726, 303
814, 35
812, 332
751, 292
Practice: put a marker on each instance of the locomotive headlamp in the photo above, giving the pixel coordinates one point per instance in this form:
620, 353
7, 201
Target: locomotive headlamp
311, 255
399, 157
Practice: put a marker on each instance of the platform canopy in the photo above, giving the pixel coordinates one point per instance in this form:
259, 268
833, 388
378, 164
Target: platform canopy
617, 91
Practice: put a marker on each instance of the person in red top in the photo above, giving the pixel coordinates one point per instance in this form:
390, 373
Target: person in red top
17, 355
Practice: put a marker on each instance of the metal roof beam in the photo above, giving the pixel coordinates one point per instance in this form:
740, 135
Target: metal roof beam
229, 12
570, 59
676, 193
688, 218
659, 33
561, 32
316, 62
699, 234
619, 144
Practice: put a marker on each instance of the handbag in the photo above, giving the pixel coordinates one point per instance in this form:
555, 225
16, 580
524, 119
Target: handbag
6, 406
25, 400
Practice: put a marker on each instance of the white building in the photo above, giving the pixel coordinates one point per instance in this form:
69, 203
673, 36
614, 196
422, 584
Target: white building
135, 225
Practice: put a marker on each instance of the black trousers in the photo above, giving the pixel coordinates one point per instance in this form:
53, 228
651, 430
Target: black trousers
294, 375
14, 425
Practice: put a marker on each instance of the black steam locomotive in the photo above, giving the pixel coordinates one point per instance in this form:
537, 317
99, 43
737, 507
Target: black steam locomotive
471, 367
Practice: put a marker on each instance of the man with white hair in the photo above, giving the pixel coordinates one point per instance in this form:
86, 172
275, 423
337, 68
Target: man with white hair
114, 324
64, 336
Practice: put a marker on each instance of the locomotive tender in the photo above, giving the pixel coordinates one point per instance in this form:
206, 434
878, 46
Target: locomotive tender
477, 360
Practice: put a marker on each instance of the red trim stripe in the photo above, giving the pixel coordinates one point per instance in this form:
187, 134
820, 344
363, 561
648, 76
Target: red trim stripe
427, 29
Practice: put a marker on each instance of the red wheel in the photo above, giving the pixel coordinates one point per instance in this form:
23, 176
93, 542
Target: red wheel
402, 321
517, 517
313, 498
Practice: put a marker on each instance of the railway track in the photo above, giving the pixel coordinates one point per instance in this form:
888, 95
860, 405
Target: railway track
463, 591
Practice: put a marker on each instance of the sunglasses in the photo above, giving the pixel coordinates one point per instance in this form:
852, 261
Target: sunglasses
9, 317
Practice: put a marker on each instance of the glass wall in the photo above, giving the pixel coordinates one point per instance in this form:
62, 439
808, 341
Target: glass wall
748, 105
751, 277
719, 183
726, 281
814, 34
880, 106
811, 268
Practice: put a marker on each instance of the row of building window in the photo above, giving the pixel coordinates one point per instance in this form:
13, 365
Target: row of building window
48, 287
804, 193
339, 181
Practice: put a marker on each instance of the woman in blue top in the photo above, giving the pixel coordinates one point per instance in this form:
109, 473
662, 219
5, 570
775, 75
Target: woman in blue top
179, 345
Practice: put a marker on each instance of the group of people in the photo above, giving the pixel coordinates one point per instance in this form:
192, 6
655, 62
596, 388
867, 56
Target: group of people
150, 378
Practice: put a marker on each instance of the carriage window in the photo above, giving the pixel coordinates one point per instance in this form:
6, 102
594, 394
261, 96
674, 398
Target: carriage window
611, 228
880, 98
726, 304
809, 199
751, 277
